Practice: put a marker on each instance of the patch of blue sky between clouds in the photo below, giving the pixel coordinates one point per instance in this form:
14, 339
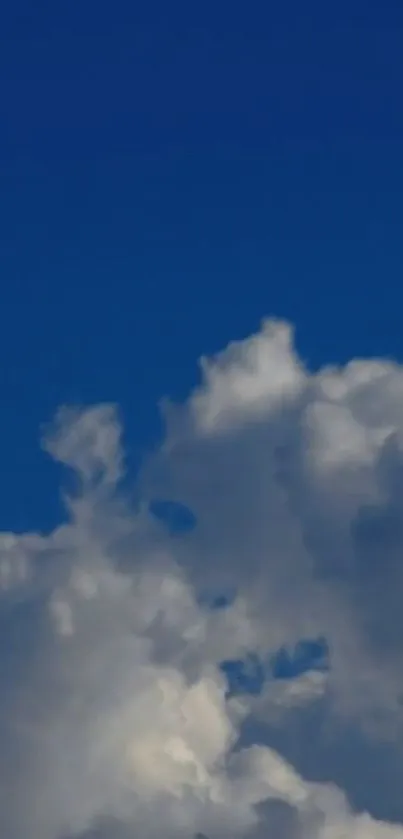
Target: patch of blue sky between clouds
216, 600
248, 675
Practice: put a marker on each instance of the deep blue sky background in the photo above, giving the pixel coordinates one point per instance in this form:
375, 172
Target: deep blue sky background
170, 174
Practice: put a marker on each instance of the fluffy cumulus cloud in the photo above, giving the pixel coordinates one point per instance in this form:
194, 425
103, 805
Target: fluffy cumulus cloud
125, 640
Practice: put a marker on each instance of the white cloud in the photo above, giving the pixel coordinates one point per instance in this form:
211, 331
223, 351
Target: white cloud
114, 718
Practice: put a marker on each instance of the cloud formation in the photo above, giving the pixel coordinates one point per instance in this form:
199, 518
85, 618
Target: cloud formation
116, 720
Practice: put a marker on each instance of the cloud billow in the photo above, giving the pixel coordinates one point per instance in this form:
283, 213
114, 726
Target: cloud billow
278, 493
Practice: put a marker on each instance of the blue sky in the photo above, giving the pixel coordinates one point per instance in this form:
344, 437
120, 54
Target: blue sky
172, 173
176, 177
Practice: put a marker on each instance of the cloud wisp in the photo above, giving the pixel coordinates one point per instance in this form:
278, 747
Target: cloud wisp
268, 534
